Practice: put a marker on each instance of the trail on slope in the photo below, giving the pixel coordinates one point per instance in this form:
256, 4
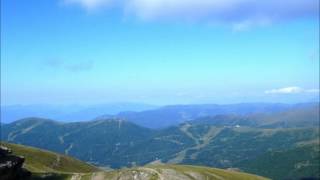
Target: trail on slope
211, 134
14, 134
66, 151
205, 140
185, 129
57, 162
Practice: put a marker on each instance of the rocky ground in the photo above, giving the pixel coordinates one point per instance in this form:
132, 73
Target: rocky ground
11, 166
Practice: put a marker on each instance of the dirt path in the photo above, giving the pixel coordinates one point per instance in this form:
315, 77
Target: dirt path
150, 170
57, 162
98, 176
76, 177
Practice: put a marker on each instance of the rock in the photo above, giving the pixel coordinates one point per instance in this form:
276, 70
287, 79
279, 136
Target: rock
11, 166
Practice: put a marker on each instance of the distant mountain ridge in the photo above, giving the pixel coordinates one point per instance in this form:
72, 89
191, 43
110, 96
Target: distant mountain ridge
297, 117
67, 113
173, 115
144, 115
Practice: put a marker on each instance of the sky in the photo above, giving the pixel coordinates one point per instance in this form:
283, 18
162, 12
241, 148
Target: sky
159, 51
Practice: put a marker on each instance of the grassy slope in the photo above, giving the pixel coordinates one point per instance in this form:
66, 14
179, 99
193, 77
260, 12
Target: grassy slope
41, 161
211, 172
60, 167
231, 146
177, 172
300, 161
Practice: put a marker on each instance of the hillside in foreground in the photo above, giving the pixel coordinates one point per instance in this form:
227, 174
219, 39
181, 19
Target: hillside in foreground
49, 165
173, 172
42, 161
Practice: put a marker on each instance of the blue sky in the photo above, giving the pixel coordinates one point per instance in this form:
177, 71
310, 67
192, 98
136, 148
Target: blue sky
159, 51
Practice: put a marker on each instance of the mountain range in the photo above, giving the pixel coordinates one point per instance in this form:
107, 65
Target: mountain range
234, 141
68, 113
150, 116
173, 115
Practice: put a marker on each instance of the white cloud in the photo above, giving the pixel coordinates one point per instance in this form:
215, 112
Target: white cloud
291, 90
240, 13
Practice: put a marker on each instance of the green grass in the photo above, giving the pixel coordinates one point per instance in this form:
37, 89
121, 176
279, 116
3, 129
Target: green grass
41, 161
50, 176
210, 173
298, 162
45, 165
